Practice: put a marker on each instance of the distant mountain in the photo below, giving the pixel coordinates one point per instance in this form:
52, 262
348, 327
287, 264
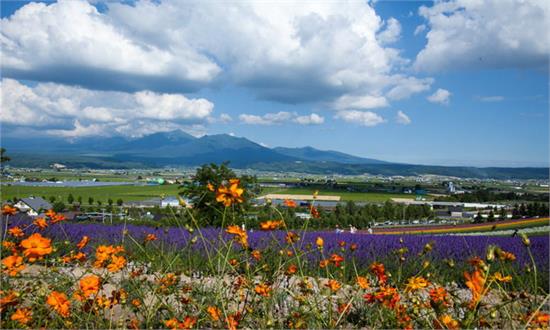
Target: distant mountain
312, 154
177, 148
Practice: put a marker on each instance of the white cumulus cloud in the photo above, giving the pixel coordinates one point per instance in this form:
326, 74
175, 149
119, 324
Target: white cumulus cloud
280, 118
75, 111
363, 118
441, 96
402, 118
286, 52
485, 34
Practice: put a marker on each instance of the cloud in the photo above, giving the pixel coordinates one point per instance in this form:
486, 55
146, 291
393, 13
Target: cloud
363, 118
391, 33
495, 98
224, 118
286, 52
75, 111
360, 102
402, 118
71, 42
419, 29
280, 118
485, 34
312, 119
441, 96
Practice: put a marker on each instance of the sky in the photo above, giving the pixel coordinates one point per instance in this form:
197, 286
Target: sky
460, 82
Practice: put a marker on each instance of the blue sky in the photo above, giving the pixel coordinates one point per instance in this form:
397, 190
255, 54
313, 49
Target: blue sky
449, 83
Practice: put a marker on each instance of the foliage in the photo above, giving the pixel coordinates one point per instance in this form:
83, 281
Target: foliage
202, 192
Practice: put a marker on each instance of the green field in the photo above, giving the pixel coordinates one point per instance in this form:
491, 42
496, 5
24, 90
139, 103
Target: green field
132, 193
344, 195
127, 193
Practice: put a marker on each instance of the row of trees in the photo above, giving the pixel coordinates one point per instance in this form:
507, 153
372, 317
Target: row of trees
347, 214
487, 195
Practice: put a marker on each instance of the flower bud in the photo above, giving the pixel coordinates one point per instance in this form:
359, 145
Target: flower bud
525, 239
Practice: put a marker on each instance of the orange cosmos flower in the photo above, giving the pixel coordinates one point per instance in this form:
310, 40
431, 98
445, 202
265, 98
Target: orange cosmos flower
36, 247
506, 256
314, 212
323, 263
59, 302
353, 247
363, 282
14, 264
292, 237
476, 283
263, 290
150, 237
16, 232
336, 259
439, 296
504, 279
240, 235
58, 218
80, 256
387, 296
448, 322
210, 187
230, 195
233, 321
333, 285
289, 203
189, 322
40, 223
8, 299
22, 315
10, 245
342, 243
8, 210
319, 242
256, 254
540, 319
83, 242
50, 213
292, 269
416, 283
271, 224
172, 323
214, 312
89, 285
380, 271
117, 263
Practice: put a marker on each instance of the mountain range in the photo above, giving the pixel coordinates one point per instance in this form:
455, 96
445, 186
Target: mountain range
177, 148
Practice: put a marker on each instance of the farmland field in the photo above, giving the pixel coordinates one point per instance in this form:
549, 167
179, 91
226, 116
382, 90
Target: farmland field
133, 193
345, 195
127, 193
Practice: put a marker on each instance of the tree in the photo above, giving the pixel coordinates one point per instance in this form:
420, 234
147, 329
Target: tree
3, 157
204, 200
70, 199
79, 199
478, 218
110, 202
99, 203
491, 217
59, 206
90, 200
52, 199
119, 202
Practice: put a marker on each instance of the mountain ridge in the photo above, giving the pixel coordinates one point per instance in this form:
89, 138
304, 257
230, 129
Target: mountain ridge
177, 148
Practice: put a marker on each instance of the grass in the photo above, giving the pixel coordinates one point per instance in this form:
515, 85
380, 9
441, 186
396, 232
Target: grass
134, 193
127, 193
344, 195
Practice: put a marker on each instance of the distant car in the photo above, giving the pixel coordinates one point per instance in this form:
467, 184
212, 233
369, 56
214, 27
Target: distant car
416, 222
443, 221
431, 221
